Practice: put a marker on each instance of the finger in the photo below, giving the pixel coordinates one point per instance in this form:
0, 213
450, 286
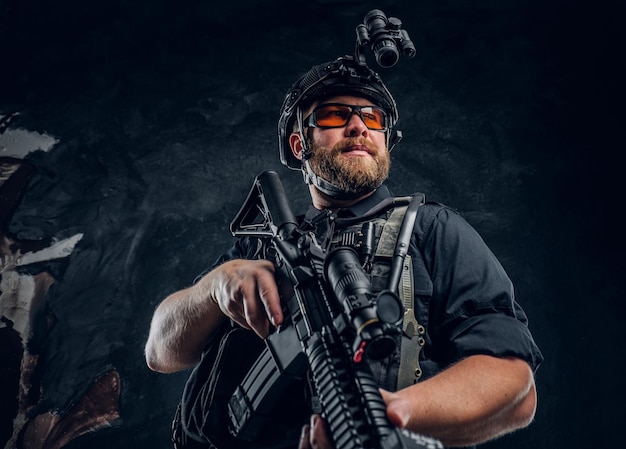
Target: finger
304, 437
268, 293
399, 413
384, 393
398, 409
261, 299
254, 311
320, 438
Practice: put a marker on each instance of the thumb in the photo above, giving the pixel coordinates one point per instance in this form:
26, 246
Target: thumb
398, 409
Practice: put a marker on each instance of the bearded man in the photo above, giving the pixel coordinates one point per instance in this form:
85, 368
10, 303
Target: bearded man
474, 369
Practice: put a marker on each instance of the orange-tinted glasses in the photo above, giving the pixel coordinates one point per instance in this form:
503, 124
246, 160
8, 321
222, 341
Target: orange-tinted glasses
336, 115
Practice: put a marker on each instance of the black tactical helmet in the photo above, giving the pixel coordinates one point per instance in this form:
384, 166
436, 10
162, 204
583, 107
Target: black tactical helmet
343, 76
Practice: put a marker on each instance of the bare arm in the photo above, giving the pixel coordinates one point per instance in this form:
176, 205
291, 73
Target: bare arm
477, 399
182, 325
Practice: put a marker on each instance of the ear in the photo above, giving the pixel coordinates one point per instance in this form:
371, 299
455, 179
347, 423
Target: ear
295, 142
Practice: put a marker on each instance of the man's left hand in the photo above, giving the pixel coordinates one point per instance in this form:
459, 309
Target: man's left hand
317, 436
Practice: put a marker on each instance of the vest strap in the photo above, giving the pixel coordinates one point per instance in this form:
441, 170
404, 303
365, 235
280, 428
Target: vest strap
412, 340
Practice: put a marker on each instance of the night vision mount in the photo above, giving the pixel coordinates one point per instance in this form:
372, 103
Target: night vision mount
385, 37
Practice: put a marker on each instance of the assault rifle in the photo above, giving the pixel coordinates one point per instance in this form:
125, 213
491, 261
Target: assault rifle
333, 323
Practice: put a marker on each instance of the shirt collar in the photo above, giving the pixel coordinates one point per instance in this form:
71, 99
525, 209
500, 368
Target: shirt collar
357, 209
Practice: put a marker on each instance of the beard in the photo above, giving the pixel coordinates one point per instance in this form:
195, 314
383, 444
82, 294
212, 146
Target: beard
353, 173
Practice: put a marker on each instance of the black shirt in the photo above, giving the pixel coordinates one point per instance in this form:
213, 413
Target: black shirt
463, 297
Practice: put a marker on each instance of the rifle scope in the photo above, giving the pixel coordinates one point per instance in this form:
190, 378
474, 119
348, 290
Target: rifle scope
375, 317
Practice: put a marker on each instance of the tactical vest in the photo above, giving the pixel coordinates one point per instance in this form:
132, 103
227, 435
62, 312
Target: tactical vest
381, 240
403, 367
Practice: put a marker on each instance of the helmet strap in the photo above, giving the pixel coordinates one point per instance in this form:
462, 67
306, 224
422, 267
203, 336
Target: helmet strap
306, 152
327, 187
394, 136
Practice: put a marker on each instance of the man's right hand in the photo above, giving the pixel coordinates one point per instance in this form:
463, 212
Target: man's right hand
246, 292
184, 322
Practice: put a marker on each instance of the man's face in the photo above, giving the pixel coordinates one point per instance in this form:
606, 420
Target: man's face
352, 157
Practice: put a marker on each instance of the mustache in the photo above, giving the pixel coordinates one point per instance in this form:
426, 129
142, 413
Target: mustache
352, 142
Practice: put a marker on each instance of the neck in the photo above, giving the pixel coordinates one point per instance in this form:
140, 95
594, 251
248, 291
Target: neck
322, 201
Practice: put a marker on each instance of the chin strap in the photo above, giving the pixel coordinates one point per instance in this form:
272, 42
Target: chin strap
327, 187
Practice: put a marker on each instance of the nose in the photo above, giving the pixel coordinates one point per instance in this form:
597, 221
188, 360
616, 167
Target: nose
356, 126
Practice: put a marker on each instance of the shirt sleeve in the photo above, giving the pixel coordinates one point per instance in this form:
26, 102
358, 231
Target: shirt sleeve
473, 308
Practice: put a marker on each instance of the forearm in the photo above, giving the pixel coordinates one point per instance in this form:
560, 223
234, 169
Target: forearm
181, 327
477, 399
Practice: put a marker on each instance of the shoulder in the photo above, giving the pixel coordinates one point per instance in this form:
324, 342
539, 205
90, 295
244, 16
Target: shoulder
443, 226
434, 213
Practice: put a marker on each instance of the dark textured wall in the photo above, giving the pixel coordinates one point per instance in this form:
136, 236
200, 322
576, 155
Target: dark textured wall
165, 111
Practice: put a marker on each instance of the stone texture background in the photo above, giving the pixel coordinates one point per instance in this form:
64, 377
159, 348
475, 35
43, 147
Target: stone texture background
165, 111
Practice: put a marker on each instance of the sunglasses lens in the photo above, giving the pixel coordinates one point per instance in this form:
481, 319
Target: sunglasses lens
332, 116
374, 118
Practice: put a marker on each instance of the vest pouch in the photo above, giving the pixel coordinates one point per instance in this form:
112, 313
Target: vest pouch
204, 415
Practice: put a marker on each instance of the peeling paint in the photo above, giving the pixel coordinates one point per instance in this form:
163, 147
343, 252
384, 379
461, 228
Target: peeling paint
19, 142
58, 250
22, 296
